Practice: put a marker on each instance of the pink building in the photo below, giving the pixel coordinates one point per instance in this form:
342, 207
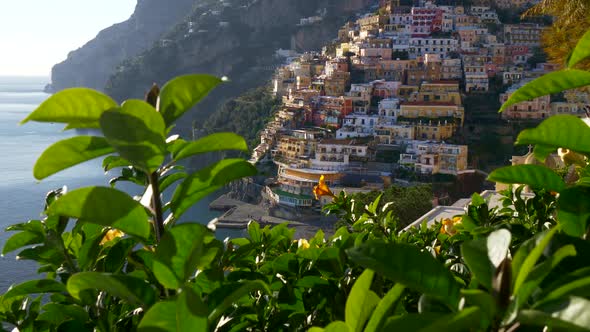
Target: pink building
426, 21
386, 89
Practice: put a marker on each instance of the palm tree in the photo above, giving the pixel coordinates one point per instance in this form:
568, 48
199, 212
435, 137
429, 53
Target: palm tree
571, 19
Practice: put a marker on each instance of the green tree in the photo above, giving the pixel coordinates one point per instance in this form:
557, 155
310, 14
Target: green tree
570, 22
406, 203
246, 115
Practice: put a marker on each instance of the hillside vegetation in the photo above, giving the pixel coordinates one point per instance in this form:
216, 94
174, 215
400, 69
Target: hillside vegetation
246, 115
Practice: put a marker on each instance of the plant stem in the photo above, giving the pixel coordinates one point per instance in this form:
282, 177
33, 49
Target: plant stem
157, 206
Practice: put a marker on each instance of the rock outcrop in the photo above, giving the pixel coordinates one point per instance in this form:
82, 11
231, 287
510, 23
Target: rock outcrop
92, 64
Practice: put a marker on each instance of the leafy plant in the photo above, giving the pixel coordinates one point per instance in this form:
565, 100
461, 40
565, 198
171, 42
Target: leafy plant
113, 262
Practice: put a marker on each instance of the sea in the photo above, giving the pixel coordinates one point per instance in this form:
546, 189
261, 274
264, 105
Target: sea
21, 196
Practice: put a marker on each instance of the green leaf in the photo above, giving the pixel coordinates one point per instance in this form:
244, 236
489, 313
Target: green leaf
88, 204
409, 266
581, 51
476, 257
481, 299
411, 321
69, 152
191, 312
35, 287
188, 313
579, 287
117, 255
535, 176
178, 254
361, 302
81, 107
468, 319
176, 145
337, 326
548, 84
254, 232
574, 210
559, 131
168, 180
208, 180
112, 162
90, 250
329, 263
33, 226
541, 152
477, 200
20, 240
523, 271
247, 288
542, 270
136, 131
385, 308
133, 290
570, 314
75, 326
311, 282
285, 264
212, 143
59, 313
182, 93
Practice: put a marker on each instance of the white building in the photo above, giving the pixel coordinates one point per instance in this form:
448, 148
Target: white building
357, 125
442, 46
340, 154
434, 157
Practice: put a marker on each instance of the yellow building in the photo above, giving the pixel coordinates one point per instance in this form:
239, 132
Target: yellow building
373, 22
407, 91
293, 151
389, 134
432, 110
440, 91
434, 130
336, 84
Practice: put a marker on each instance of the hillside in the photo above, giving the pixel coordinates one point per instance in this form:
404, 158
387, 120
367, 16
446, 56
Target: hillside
229, 38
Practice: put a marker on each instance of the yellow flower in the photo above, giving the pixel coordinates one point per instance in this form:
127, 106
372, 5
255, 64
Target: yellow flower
111, 235
448, 226
302, 243
322, 189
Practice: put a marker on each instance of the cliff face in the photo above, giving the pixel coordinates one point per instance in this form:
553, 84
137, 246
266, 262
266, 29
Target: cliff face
92, 64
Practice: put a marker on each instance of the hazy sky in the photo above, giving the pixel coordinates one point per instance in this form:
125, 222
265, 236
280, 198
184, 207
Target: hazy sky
36, 34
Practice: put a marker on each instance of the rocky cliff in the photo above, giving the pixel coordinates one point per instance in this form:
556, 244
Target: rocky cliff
233, 38
92, 64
